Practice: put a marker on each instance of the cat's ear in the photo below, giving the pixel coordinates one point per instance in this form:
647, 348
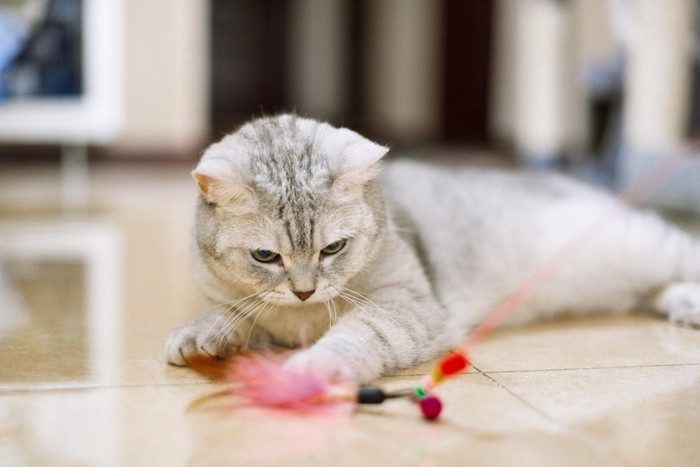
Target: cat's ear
219, 191
221, 184
358, 162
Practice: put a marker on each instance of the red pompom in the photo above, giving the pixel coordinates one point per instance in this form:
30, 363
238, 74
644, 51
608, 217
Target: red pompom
431, 407
452, 363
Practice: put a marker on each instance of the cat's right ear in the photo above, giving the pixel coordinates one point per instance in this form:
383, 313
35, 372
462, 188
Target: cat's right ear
220, 185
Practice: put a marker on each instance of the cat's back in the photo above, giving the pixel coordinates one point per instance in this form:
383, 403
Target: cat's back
486, 228
459, 218
447, 194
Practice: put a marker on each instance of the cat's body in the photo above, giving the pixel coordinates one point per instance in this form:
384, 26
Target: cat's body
299, 241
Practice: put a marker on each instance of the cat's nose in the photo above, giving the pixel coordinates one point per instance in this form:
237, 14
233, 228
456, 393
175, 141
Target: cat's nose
304, 295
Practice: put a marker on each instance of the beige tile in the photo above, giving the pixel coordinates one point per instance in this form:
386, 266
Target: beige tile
637, 416
482, 425
200, 425
630, 340
53, 347
105, 426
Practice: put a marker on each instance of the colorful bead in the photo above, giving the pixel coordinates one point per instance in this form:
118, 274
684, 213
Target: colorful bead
430, 406
419, 392
437, 375
428, 382
452, 363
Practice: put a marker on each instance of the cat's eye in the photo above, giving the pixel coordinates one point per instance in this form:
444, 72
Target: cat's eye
334, 247
264, 256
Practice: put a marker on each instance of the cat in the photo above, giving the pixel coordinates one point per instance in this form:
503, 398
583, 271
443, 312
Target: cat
302, 239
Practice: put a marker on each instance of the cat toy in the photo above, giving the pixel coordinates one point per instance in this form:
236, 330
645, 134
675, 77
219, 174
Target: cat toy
262, 381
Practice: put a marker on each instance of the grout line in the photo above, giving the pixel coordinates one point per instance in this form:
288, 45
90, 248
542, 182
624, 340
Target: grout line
603, 455
618, 367
478, 371
524, 401
593, 368
92, 387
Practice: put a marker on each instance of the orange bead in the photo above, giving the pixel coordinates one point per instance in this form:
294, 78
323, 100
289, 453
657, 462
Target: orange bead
452, 363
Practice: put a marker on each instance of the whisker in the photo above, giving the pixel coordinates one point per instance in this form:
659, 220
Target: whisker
260, 311
363, 298
350, 299
247, 312
224, 315
330, 315
234, 320
335, 312
365, 304
232, 303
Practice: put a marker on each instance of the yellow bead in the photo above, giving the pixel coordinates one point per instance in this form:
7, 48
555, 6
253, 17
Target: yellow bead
437, 375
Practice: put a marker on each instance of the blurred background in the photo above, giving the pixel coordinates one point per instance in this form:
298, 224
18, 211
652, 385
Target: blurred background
546, 83
106, 105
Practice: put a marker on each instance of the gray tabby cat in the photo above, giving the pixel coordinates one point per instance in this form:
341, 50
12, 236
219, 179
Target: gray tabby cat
300, 239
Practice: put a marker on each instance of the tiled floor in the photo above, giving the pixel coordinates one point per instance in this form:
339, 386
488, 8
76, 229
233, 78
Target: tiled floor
79, 386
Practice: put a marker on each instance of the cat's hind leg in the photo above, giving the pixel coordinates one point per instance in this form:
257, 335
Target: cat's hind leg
675, 255
680, 301
635, 259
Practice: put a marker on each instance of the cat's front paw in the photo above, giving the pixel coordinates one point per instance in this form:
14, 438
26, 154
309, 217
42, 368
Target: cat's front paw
206, 336
681, 302
332, 366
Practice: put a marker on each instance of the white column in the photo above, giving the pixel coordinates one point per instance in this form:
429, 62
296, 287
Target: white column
658, 80
540, 71
657, 94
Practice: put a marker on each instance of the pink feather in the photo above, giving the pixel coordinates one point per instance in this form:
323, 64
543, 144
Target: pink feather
264, 382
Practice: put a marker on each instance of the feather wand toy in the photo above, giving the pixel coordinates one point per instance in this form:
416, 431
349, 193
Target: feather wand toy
264, 382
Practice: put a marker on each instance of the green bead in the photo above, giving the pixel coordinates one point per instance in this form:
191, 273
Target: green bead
420, 391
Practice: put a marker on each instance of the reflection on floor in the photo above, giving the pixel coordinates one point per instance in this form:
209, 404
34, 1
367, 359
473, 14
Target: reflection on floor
597, 391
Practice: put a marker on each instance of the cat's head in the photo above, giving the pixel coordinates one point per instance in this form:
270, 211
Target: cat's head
289, 208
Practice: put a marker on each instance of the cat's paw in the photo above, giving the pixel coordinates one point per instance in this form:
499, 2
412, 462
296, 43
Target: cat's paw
206, 336
681, 302
333, 367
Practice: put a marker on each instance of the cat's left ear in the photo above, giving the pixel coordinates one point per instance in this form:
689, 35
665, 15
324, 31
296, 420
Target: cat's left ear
358, 161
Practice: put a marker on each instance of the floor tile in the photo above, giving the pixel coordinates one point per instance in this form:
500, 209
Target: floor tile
636, 416
53, 348
98, 427
201, 425
604, 341
469, 433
